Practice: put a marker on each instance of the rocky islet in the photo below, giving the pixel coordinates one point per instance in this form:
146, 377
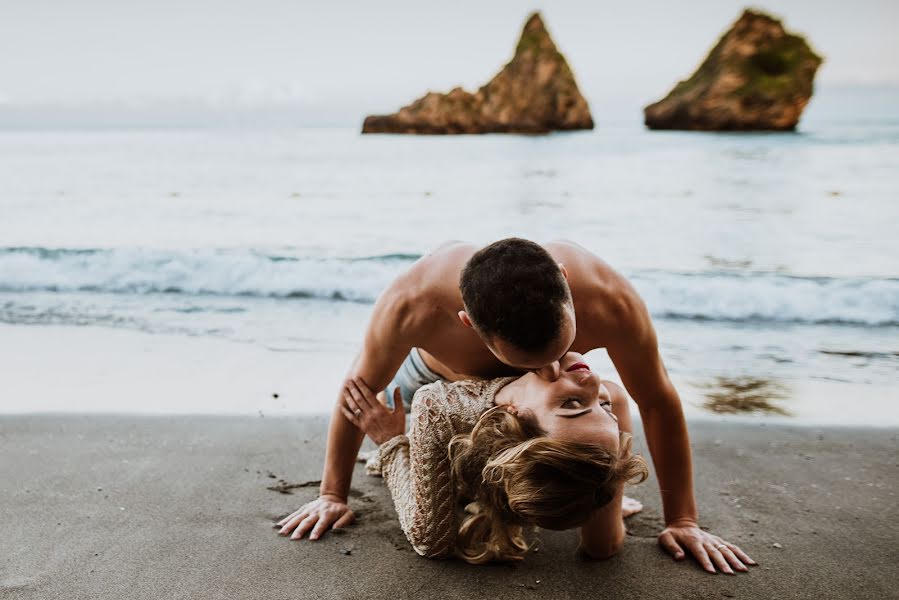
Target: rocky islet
535, 92
757, 77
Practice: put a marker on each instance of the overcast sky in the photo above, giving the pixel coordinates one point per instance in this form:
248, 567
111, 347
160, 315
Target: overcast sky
383, 54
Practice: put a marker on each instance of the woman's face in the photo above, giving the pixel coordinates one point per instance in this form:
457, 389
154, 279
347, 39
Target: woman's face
575, 406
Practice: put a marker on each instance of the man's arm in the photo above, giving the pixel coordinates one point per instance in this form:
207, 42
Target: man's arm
386, 344
644, 376
634, 350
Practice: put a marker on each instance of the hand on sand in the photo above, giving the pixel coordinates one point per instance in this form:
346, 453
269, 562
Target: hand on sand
318, 516
367, 412
630, 506
710, 550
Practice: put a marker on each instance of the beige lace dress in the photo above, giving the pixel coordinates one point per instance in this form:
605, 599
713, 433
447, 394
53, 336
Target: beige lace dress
416, 466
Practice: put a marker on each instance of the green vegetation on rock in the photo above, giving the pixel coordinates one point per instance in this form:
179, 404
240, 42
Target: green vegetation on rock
758, 76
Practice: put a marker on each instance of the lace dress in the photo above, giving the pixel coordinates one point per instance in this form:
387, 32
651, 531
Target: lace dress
417, 467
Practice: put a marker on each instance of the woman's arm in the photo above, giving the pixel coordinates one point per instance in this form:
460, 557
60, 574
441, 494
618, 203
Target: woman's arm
603, 534
417, 469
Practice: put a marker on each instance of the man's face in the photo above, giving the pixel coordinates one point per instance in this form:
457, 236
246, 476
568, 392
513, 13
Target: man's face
546, 362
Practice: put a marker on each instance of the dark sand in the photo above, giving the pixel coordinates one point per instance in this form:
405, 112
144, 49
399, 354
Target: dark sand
128, 507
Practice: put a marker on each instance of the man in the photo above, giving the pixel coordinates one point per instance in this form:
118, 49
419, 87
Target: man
513, 306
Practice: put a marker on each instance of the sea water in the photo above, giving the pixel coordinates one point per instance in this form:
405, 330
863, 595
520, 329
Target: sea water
766, 260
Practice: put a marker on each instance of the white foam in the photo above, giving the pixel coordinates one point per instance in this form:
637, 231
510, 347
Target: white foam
711, 295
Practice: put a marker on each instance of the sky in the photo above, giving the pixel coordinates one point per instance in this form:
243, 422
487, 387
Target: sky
374, 57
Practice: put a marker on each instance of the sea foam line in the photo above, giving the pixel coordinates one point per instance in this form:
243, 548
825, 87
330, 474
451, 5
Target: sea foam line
709, 295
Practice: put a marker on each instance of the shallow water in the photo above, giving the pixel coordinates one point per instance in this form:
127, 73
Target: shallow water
763, 257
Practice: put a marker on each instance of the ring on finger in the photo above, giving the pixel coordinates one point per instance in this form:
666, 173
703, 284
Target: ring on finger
357, 412
720, 546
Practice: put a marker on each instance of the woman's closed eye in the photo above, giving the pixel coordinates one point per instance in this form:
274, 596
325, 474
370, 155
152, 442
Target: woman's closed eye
573, 403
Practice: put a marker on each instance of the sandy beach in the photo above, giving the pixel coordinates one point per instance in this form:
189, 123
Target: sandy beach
179, 507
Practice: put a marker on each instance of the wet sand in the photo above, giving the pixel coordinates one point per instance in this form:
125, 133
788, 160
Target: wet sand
166, 507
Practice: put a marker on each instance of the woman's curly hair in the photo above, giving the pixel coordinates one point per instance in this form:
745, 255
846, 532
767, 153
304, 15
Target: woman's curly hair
517, 477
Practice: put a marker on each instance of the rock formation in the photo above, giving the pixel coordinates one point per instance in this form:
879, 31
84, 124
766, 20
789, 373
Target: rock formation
758, 77
534, 93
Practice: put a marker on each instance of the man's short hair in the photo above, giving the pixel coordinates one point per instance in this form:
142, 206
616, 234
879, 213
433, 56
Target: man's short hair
513, 289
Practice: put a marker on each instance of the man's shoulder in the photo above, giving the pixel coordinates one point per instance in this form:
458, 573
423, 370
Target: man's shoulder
594, 282
583, 266
604, 299
435, 274
427, 288
452, 254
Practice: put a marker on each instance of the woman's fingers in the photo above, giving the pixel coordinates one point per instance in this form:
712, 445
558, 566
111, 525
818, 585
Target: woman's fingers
350, 416
718, 558
398, 406
351, 401
366, 392
667, 541
358, 396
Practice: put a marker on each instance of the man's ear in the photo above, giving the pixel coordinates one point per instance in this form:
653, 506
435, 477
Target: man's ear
564, 271
463, 316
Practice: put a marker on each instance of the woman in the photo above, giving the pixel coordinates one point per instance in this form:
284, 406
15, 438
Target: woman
527, 452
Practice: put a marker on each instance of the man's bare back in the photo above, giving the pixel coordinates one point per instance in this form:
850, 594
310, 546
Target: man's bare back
428, 296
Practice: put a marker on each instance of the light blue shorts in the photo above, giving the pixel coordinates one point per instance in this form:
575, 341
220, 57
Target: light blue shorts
413, 374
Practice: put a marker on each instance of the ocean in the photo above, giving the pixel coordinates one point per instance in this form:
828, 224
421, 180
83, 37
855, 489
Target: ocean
770, 262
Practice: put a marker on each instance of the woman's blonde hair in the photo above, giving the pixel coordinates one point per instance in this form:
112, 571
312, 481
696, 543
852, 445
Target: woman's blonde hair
517, 477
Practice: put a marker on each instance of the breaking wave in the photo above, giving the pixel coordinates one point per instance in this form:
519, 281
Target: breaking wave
716, 295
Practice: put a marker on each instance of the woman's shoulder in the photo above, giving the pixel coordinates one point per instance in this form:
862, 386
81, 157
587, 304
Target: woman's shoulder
616, 391
483, 391
457, 400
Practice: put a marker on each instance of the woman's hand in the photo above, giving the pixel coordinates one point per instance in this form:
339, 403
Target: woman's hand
365, 411
710, 550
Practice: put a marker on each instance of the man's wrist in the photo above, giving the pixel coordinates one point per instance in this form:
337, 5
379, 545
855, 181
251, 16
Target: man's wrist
691, 521
332, 496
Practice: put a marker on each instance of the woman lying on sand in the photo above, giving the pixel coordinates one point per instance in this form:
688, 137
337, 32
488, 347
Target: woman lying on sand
524, 452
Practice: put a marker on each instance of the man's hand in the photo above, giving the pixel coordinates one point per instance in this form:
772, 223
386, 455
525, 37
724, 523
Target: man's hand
710, 550
364, 410
324, 513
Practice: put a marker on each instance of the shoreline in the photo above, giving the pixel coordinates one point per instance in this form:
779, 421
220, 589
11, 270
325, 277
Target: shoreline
115, 371
107, 506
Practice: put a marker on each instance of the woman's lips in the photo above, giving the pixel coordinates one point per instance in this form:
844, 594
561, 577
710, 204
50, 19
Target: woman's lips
578, 367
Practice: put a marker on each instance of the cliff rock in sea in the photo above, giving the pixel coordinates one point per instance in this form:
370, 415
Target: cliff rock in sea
534, 93
757, 77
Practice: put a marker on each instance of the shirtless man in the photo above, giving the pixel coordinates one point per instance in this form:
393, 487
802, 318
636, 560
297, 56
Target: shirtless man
525, 306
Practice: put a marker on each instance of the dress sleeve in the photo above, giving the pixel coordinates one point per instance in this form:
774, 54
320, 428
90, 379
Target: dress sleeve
417, 468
